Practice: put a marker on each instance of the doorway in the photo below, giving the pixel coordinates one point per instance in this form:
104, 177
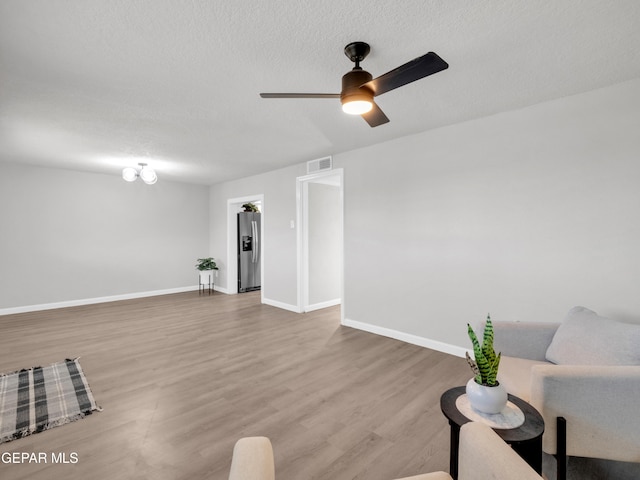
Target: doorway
234, 205
320, 240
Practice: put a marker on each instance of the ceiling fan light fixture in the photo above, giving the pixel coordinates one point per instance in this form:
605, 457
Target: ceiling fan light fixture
357, 107
357, 103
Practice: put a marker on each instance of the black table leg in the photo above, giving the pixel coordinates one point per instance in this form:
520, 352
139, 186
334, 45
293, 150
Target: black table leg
453, 454
531, 452
561, 448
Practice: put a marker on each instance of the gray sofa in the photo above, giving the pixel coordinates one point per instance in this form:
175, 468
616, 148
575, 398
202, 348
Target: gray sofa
586, 370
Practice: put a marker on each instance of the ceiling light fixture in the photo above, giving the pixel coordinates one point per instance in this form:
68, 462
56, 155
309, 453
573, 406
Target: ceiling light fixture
356, 98
357, 104
147, 174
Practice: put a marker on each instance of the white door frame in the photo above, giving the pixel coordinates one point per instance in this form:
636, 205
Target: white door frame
302, 214
233, 206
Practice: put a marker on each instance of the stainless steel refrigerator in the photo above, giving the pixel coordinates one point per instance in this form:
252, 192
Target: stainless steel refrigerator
249, 244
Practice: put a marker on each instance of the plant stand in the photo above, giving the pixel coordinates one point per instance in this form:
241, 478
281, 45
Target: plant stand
205, 283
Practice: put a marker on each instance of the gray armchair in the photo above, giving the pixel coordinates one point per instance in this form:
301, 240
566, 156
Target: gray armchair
598, 401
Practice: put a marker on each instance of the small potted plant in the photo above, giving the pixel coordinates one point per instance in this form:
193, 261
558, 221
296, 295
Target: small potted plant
206, 266
484, 391
250, 207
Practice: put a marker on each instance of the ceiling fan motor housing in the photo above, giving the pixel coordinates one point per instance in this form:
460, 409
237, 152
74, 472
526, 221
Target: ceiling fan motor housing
352, 86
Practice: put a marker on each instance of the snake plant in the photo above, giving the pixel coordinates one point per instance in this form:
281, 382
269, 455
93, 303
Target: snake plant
485, 366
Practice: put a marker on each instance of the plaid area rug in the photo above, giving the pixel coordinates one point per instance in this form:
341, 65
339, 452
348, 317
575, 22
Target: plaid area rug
42, 398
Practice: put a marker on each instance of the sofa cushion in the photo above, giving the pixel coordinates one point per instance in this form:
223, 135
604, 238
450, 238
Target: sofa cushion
586, 338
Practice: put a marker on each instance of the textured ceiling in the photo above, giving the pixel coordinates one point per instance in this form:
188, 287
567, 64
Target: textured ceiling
96, 85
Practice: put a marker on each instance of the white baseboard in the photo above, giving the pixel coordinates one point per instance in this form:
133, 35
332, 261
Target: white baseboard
407, 337
318, 306
220, 289
284, 306
90, 301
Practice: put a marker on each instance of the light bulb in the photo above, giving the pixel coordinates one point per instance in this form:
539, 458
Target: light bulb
357, 107
129, 174
148, 176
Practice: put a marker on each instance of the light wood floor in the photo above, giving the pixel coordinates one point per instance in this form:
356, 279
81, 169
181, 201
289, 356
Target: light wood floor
182, 377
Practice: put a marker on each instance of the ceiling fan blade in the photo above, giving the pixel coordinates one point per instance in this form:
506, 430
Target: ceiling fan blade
375, 116
416, 69
300, 95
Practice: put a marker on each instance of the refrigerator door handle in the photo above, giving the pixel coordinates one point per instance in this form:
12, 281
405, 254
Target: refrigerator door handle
254, 232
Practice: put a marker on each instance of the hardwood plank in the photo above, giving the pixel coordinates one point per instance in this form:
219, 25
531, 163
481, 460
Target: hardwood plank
182, 377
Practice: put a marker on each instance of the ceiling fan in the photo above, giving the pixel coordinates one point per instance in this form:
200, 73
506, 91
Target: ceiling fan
359, 87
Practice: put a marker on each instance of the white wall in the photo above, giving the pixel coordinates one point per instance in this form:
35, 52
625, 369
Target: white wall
522, 215
325, 244
279, 246
70, 236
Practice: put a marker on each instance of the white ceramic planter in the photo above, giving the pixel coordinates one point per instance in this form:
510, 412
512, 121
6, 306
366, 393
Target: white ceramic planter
486, 399
206, 277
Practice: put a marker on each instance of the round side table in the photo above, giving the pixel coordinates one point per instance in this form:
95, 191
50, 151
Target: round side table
526, 439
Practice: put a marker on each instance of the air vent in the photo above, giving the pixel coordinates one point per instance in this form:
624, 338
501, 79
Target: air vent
319, 165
